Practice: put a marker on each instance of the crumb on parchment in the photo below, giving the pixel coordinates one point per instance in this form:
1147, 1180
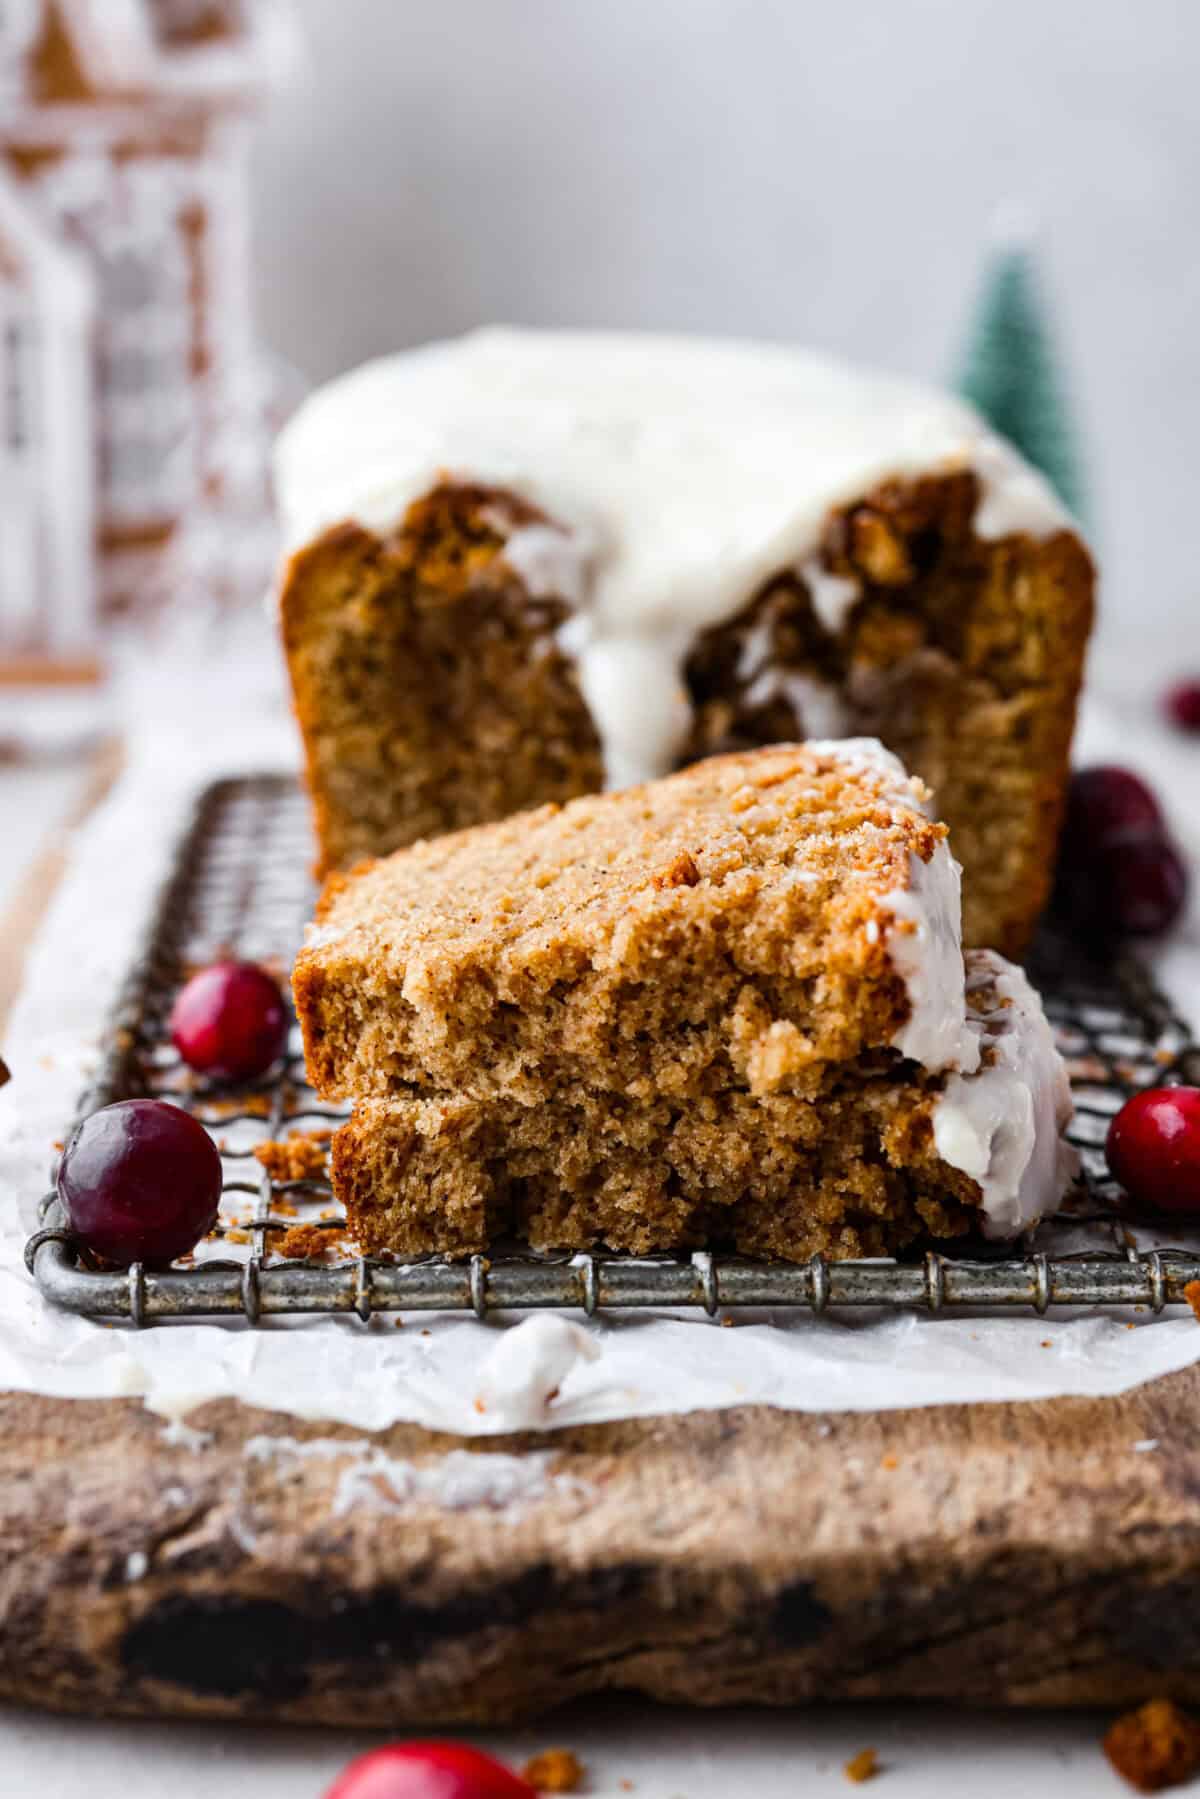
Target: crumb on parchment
554, 1771
307, 1243
861, 1767
300, 1157
1154, 1747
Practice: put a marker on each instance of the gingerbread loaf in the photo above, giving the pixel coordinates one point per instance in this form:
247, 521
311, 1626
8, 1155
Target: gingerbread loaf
529, 565
728, 1008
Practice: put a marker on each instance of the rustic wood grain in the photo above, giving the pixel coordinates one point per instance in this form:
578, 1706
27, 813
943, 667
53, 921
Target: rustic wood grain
1007, 1554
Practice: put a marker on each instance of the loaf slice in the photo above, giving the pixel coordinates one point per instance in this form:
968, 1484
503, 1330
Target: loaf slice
882, 1154
744, 922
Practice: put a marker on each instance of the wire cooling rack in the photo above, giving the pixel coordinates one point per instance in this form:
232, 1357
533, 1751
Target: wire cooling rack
239, 886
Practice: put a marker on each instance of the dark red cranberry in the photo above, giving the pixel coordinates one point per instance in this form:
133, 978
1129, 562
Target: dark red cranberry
1154, 1148
140, 1182
1182, 705
428, 1771
1119, 874
1107, 805
1142, 886
230, 1021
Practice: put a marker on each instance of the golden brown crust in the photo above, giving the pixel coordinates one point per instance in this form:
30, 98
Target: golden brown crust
572, 944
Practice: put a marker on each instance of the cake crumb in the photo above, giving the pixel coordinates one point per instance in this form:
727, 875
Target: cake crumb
1156, 1746
1192, 1294
5, 1075
300, 1157
554, 1771
682, 872
863, 1766
258, 1105
626, 1786
307, 1242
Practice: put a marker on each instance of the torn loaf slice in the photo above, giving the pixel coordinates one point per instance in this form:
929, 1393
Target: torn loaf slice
743, 923
881, 1154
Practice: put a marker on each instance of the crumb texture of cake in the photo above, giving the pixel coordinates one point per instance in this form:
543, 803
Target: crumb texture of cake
855, 1169
744, 923
656, 548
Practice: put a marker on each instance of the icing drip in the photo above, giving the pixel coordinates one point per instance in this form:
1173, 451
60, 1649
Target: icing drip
686, 473
550, 562
925, 939
927, 951
832, 596
1002, 1125
817, 706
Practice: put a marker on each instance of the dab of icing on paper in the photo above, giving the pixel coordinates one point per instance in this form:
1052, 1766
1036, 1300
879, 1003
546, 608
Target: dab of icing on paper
523, 1373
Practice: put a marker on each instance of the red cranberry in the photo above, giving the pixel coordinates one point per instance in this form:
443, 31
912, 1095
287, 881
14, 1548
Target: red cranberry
140, 1182
1154, 1148
1182, 705
1142, 886
428, 1771
230, 1021
1107, 805
1119, 874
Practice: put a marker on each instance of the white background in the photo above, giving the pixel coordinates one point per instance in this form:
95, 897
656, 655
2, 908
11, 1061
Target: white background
791, 168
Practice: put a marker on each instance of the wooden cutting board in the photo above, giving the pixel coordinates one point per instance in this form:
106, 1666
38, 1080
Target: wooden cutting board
1034, 1554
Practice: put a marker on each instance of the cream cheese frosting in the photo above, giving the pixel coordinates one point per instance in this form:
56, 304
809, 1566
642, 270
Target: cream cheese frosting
925, 941
1003, 1124
677, 474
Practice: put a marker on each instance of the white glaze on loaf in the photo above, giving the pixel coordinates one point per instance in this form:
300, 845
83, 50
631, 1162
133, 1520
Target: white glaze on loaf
679, 474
